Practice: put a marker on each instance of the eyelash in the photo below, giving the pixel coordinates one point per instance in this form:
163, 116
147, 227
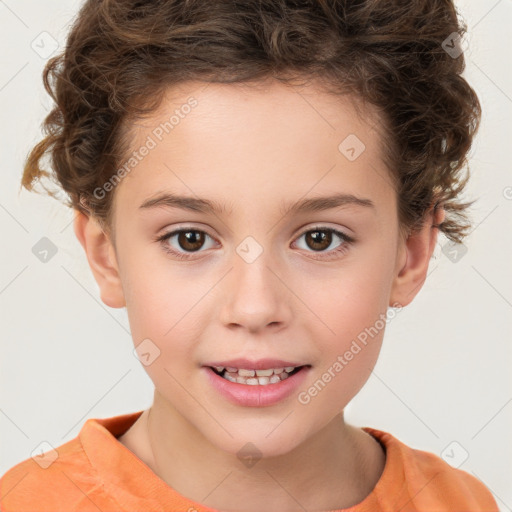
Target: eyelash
347, 241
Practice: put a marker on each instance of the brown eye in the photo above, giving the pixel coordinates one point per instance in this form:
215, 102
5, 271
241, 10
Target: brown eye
318, 240
322, 240
191, 240
183, 243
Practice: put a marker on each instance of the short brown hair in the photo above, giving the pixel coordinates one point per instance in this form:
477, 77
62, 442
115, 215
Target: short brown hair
121, 56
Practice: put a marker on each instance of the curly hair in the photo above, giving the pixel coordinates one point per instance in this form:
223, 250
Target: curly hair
122, 55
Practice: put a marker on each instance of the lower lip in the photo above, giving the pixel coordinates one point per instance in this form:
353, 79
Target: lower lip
256, 395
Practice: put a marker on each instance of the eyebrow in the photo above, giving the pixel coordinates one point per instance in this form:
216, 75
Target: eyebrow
194, 204
315, 204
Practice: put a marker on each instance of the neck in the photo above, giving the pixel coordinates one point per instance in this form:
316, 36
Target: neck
336, 468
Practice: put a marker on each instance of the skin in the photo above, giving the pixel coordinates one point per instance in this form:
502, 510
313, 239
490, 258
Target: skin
239, 146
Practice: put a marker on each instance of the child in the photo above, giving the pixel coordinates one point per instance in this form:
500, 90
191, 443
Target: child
265, 129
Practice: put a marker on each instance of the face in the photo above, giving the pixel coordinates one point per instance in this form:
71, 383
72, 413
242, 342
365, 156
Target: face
257, 277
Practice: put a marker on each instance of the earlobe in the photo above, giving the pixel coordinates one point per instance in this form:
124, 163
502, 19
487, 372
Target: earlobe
101, 257
413, 265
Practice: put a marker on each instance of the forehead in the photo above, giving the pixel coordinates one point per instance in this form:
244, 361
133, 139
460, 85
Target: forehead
228, 140
269, 104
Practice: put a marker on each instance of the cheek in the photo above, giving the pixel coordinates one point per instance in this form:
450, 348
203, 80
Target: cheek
157, 295
353, 308
356, 317
165, 324
339, 380
351, 299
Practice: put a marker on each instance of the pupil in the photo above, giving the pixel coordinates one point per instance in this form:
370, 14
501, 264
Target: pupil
191, 240
320, 237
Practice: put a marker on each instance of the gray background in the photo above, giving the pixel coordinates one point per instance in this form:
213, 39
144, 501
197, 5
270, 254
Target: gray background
444, 371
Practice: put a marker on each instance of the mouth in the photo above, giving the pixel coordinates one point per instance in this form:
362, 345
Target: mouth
251, 383
251, 377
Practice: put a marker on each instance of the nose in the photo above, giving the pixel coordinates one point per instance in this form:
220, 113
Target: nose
257, 297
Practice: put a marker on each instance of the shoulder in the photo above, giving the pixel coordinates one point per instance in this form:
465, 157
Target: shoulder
59, 478
430, 483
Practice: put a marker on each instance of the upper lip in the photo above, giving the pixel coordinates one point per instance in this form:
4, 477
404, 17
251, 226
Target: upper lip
260, 364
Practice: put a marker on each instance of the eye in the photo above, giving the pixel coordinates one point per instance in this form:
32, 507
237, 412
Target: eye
190, 240
320, 238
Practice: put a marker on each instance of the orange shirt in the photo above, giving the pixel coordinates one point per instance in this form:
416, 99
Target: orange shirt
95, 472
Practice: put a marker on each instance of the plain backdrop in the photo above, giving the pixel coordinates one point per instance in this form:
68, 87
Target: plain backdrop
443, 380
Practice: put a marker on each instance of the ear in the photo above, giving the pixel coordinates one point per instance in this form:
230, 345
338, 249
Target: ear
101, 257
415, 253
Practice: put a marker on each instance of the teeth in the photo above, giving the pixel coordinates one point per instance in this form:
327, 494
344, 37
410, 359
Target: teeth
255, 377
251, 373
264, 373
246, 373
